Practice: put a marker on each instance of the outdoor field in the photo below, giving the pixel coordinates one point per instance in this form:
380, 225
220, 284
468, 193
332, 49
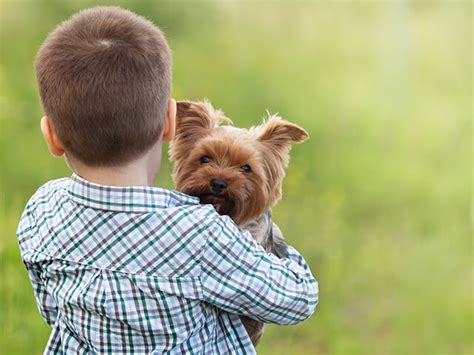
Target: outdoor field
378, 200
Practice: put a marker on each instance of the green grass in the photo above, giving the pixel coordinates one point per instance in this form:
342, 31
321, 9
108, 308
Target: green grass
378, 200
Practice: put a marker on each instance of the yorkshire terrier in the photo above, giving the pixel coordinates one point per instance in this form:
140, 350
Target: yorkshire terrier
239, 171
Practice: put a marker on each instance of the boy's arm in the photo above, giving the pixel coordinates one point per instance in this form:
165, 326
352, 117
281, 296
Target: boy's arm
240, 277
47, 307
46, 303
26, 241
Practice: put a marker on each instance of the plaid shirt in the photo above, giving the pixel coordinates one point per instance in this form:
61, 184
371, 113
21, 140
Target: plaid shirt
148, 270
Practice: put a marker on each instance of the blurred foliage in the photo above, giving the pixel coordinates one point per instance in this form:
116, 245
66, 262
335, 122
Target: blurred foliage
378, 200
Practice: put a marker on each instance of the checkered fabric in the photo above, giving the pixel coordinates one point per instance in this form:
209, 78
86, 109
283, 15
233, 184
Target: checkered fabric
124, 270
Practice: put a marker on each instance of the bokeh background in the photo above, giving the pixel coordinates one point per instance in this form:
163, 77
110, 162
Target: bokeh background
378, 200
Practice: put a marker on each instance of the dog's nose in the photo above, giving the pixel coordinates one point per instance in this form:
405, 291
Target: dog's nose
218, 185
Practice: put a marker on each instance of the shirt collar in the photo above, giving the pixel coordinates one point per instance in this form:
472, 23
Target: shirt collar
137, 199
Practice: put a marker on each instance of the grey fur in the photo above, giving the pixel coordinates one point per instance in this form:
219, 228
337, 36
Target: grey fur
268, 234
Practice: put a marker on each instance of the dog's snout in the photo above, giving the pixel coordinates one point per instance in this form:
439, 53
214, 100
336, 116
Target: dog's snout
218, 185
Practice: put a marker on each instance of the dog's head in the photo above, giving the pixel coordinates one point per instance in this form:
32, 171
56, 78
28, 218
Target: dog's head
239, 171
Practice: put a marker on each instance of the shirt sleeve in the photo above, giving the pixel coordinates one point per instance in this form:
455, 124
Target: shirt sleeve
54, 345
45, 302
238, 276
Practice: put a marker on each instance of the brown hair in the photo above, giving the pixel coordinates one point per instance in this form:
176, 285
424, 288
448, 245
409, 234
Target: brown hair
104, 78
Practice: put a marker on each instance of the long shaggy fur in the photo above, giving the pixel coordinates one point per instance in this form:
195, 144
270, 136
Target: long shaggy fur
265, 148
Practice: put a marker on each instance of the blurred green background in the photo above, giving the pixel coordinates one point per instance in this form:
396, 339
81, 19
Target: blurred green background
378, 200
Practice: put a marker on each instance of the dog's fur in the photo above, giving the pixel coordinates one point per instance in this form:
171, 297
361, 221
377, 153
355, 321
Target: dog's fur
239, 171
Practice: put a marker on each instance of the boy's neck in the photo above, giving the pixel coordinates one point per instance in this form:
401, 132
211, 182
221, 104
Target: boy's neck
115, 176
140, 172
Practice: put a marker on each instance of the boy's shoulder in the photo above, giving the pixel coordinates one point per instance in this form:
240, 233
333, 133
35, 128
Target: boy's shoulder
60, 197
41, 199
55, 189
46, 191
173, 226
175, 199
51, 186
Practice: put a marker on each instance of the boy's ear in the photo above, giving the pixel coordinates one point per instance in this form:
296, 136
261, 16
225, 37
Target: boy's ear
280, 133
169, 126
55, 146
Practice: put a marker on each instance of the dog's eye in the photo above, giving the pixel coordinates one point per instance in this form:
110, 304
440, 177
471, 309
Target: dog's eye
204, 159
246, 168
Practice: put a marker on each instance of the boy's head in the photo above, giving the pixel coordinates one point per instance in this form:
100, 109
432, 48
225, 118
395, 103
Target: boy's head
104, 78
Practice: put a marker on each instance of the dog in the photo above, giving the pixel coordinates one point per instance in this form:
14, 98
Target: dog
239, 171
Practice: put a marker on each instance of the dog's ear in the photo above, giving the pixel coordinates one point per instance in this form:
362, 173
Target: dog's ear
193, 120
192, 116
275, 136
280, 133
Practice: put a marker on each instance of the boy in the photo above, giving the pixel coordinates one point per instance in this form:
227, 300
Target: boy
119, 266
